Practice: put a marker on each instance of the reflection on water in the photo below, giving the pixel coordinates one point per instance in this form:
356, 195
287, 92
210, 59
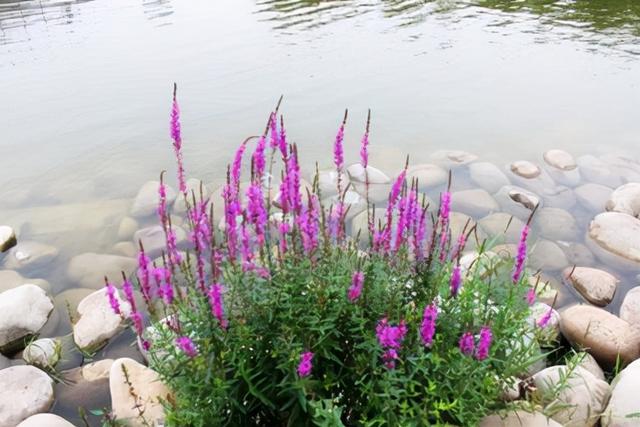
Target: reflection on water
602, 22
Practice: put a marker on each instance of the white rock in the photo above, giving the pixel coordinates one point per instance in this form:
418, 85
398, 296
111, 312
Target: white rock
97, 370
593, 197
597, 286
10, 279
519, 418
560, 159
126, 249
555, 224
476, 202
88, 270
148, 387
127, 227
503, 225
30, 255
23, 312
615, 239
45, 420
590, 364
585, 396
24, 391
154, 240
559, 197
7, 238
604, 335
44, 353
548, 256
97, 322
517, 201
428, 175
488, 176
595, 170
625, 199
630, 308
146, 202
375, 176
623, 403
525, 169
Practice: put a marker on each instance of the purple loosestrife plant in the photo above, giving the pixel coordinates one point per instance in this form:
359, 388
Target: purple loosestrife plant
293, 277
113, 299
521, 255
176, 135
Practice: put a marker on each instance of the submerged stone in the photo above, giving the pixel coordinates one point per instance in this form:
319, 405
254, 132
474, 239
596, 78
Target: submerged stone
488, 176
615, 239
24, 391
7, 238
23, 312
625, 199
596, 286
593, 197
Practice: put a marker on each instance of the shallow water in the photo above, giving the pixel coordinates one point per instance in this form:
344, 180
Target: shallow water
86, 89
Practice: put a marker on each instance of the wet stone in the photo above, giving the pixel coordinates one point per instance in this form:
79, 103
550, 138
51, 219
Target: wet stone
525, 169
24, 391
428, 176
615, 239
630, 308
89, 269
547, 255
7, 238
559, 197
373, 175
487, 176
146, 202
560, 159
624, 398
593, 197
10, 279
555, 224
507, 227
596, 171
154, 239
476, 203
30, 256
596, 286
453, 158
517, 201
625, 199
23, 312
45, 420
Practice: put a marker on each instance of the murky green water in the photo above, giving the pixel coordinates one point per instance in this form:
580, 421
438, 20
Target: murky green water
86, 89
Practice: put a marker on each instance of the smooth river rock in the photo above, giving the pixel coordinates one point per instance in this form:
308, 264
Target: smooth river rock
488, 176
547, 255
589, 363
560, 159
146, 201
45, 420
154, 240
453, 158
148, 387
581, 402
23, 312
10, 279
428, 175
24, 391
593, 197
595, 170
559, 196
602, 334
625, 199
375, 176
623, 409
615, 239
506, 227
595, 285
7, 238
577, 253
517, 201
44, 353
630, 307
127, 227
525, 169
476, 202
30, 256
97, 322
88, 270
555, 224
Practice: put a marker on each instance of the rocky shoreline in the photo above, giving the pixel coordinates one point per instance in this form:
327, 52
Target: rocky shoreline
584, 260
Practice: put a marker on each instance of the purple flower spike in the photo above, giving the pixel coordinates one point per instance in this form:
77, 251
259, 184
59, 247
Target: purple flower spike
177, 140
531, 296
305, 365
186, 345
338, 149
543, 322
521, 256
113, 299
390, 339
357, 282
215, 301
259, 161
485, 343
456, 279
364, 150
237, 168
466, 344
428, 327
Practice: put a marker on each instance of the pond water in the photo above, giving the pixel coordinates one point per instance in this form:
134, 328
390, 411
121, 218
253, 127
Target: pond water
86, 89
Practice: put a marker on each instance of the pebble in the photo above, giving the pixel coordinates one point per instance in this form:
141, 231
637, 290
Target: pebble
615, 239
97, 322
30, 256
154, 240
596, 286
596, 171
148, 387
10, 279
593, 197
559, 197
146, 202
88, 270
23, 312
24, 391
428, 176
127, 227
505, 227
7, 238
555, 224
517, 201
453, 158
375, 176
625, 199
488, 176
604, 335
126, 249
525, 169
476, 202
560, 159
580, 402
577, 253
547, 255
590, 364
44, 353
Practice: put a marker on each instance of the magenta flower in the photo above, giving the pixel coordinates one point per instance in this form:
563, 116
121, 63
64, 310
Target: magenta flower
138, 326
357, 282
172, 246
308, 223
428, 327
274, 131
246, 253
484, 345
521, 256
456, 280
364, 150
543, 322
127, 288
144, 276
336, 221
259, 161
113, 299
177, 140
236, 169
531, 296
293, 178
257, 214
282, 139
162, 203
466, 344
305, 365
215, 301
338, 149
389, 358
445, 207
390, 339
186, 345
